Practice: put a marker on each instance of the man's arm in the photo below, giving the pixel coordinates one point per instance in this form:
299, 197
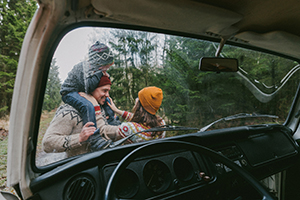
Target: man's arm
106, 130
63, 134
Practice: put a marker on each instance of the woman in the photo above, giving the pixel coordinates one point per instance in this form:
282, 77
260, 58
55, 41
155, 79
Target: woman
143, 117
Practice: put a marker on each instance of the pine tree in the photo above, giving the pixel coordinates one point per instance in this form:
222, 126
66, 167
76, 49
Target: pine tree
15, 17
133, 63
52, 98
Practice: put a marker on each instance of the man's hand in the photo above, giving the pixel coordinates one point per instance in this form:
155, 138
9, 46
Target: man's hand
89, 97
87, 130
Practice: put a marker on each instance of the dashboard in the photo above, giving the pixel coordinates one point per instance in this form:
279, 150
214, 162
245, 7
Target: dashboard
165, 173
174, 173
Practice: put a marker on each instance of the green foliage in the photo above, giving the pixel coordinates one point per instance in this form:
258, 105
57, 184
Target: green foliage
144, 59
15, 17
52, 97
192, 97
133, 65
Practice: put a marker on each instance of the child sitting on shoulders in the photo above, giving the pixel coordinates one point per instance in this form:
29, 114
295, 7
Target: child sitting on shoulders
84, 77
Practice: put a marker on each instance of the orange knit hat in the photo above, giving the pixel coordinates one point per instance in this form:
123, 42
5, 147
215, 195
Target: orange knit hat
151, 98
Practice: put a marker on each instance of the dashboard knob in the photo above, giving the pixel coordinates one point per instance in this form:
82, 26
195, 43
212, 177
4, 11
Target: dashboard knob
206, 178
201, 174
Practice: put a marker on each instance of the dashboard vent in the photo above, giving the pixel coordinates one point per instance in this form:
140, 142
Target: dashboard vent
81, 187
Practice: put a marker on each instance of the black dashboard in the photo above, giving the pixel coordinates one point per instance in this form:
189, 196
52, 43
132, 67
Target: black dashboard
174, 173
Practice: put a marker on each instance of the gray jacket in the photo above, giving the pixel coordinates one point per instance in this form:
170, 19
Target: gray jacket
82, 78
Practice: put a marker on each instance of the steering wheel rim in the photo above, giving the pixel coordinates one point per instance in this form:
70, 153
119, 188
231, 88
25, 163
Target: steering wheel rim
172, 144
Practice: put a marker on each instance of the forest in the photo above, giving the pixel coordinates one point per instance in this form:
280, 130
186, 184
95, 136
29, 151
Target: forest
15, 17
191, 97
171, 63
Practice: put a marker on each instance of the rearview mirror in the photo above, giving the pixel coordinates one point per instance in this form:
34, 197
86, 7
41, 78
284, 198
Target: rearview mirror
218, 64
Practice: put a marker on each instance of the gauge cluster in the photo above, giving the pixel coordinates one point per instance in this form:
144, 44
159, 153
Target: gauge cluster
161, 174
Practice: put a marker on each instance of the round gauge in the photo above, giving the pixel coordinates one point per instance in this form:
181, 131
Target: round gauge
183, 169
157, 176
128, 185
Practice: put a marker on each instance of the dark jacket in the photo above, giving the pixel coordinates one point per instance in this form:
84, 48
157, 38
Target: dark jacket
82, 78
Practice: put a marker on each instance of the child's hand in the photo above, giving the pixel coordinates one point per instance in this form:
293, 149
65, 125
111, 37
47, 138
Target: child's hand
89, 97
105, 73
104, 68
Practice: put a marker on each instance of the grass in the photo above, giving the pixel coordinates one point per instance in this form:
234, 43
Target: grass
3, 164
3, 161
46, 118
44, 123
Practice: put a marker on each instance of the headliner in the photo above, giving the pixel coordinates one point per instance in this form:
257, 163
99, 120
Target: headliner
267, 24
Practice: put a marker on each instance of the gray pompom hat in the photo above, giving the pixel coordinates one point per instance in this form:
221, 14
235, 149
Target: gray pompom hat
100, 55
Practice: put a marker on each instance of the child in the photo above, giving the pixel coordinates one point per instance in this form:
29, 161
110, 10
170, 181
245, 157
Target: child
84, 77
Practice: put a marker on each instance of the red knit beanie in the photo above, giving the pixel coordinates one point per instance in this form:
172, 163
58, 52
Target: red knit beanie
151, 98
104, 81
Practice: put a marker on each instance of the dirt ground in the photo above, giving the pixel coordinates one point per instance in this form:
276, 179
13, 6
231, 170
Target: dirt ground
4, 123
42, 157
4, 126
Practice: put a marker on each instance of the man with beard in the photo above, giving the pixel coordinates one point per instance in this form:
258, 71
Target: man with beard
67, 133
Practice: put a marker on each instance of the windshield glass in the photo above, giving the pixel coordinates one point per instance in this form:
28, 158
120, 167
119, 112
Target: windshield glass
264, 86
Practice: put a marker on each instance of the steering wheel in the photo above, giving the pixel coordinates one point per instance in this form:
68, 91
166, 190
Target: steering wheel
162, 145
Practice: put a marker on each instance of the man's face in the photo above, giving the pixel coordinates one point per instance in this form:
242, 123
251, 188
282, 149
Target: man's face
100, 93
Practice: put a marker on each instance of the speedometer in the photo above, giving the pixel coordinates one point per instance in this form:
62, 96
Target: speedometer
157, 176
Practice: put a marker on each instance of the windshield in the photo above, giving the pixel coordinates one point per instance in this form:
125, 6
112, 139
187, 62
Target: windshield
264, 84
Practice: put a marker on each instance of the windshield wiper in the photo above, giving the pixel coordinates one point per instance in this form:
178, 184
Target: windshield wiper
237, 116
155, 129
